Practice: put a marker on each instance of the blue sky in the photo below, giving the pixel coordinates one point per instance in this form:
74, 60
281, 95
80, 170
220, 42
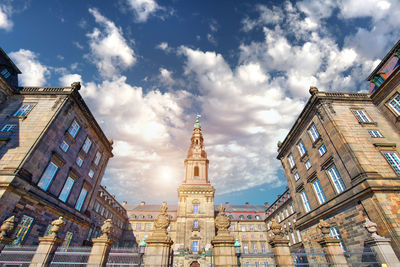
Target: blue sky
148, 67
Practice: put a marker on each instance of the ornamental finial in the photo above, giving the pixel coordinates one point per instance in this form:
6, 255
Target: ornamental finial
197, 124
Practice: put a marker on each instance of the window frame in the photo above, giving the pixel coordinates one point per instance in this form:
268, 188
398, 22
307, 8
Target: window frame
97, 158
8, 128
308, 164
394, 108
70, 131
22, 229
301, 148
325, 150
305, 200
291, 161
396, 168
313, 130
48, 183
338, 178
362, 116
80, 202
24, 112
375, 134
318, 191
61, 146
68, 193
196, 209
87, 145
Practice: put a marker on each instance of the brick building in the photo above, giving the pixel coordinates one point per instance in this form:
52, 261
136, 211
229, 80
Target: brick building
341, 160
53, 157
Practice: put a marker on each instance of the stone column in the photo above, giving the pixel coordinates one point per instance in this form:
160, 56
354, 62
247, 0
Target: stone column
381, 245
280, 246
331, 246
101, 246
5, 229
223, 243
48, 245
158, 246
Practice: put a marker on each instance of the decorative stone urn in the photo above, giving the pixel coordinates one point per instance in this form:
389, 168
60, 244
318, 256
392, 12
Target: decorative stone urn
106, 228
56, 226
6, 227
222, 222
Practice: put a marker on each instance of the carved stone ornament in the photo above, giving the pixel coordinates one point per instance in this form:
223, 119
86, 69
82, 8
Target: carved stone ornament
76, 86
161, 222
222, 221
371, 227
7, 226
313, 90
324, 227
107, 228
276, 228
56, 226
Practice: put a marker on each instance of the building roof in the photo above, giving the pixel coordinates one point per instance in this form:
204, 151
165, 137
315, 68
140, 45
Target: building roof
243, 208
229, 208
149, 207
380, 65
9, 60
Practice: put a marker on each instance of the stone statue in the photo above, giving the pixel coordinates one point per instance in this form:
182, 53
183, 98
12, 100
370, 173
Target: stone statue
161, 222
106, 228
371, 227
324, 227
222, 221
56, 226
313, 90
276, 228
7, 226
76, 86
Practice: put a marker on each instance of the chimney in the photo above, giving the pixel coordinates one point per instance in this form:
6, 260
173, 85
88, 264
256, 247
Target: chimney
266, 204
247, 204
142, 203
124, 203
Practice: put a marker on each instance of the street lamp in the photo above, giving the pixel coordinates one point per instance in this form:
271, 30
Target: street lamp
142, 249
237, 250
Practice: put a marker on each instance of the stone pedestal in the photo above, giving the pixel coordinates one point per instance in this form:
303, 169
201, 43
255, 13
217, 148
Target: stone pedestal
224, 251
383, 250
333, 251
158, 249
45, 251
280, 248
99, 253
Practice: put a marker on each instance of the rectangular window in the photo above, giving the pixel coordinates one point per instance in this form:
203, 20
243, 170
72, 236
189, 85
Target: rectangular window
8, 128
66, 189
319, 192
48, 176
375, 134
81, 199
91, 173
322, 149
263, 248
79, 161
23, 110
87, 145
5, 73
313, 132
302, 148
74, 129
22, 229
393, 160
139, 227
195, 208
67, 241
243, 227
195, 224
306, 203
291, 161
293, 239
336, 179
259, 227
251, 227
97, 207
97, 158
395, 103
246, 248
255, 250
64, 146
361, 115
296, 176
308, 164
298, 235
195, 246
147, 227
333, 232
232, 228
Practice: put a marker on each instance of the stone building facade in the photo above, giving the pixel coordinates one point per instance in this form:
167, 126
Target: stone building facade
53, 157
341, 160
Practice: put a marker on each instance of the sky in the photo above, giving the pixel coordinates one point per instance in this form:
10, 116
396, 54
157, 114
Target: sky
147, 67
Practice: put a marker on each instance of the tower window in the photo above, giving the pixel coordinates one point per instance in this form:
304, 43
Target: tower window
195, 208
196, 171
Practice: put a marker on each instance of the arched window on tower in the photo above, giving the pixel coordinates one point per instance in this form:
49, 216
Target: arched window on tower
196, 171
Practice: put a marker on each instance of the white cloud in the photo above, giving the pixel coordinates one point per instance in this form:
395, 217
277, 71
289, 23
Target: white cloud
109, 49
33, 72
267, 16
5, 21
68, 79
166, 77
164, 47
143, 8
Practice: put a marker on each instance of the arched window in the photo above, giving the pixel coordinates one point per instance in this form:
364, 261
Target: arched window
257, 217
133, 216
195, 224
149, 217
249, 217
196, 171
141, 216
241, 217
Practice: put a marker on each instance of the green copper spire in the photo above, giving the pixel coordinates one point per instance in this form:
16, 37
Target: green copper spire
197, 124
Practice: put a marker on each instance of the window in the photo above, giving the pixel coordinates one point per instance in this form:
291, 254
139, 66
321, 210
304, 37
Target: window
8, 127
296, 176
243, 227
74, 129
81, 199
293, 239
298, 235
241, 217
336, 179
263, 248
195, 224
322, 149
97, 207
291, 161
308, 164
47, 176
249, 217
91, 173
195, 208
231, 228
304, 198
97, 158
6, 73
313, 132
23, 110
393, 160
64, 146
147, 227
251, 227
255, 250
333, 232
259, 227
378, 80
361, 115
395, 103
66, 189
87, 145
67, 241
375, 134
291, 209
139, 227
246, 248
22, 229
196, 171
302, 148
79, 161
195, 246
319, 192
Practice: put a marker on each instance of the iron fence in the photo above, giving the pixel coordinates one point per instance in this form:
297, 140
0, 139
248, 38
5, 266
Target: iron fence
72, 256
124, 257
17, 256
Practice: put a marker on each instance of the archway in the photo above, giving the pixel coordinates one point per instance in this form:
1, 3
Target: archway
195, 264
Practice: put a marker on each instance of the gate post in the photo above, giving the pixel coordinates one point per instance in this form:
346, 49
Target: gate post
101, 246
280, 246
48, 245
381, 245
223, 243
331, 246
158, 246
6, 228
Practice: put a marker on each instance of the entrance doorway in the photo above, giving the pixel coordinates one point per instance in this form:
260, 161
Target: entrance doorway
195, 264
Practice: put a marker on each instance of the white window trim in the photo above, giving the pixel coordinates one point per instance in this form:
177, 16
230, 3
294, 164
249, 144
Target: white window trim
319, 192
336, 179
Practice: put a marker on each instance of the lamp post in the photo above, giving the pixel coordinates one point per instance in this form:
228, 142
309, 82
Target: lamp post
238, 251
142, 249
